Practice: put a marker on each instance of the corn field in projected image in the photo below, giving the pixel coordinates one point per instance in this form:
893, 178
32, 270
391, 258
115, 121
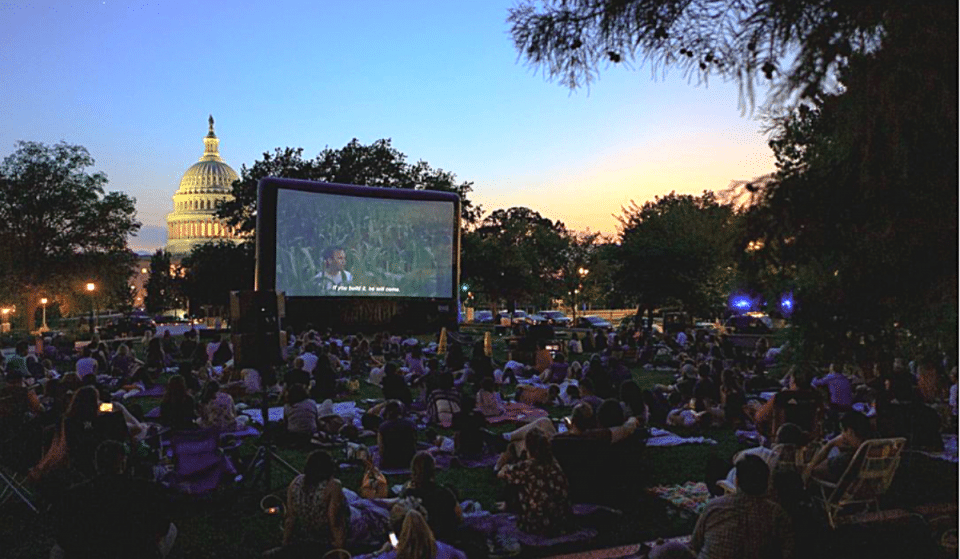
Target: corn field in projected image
404, 245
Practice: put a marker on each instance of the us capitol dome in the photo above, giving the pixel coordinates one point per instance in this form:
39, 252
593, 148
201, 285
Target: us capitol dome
205, 185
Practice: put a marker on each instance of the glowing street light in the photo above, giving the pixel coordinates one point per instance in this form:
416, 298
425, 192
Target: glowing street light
43, 305
583, 274
91, 287
5, 323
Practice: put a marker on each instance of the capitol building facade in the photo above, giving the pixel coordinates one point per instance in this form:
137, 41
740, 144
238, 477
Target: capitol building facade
205, 185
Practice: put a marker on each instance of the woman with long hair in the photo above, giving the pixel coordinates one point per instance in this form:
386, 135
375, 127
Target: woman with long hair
217, 409
177, 409
415, 540
443, 510
317, 515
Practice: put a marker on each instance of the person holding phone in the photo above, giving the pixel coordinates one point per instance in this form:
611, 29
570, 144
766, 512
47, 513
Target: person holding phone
85, 425
411, 536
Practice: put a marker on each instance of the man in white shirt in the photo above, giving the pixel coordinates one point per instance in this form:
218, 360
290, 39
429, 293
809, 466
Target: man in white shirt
334, 273
310, 357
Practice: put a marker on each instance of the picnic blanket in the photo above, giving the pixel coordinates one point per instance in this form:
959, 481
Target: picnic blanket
660, 437
348, 410
690, 497
502, 528
152, 392
517, 412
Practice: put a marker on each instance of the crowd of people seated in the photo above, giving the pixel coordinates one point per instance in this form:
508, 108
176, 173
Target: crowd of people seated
591, 455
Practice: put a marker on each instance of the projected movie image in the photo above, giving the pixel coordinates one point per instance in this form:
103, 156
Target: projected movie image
350, 246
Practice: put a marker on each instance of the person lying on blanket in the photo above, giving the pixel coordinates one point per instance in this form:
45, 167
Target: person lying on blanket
538, 396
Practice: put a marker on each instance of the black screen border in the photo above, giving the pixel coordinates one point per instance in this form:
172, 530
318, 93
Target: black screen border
265, 274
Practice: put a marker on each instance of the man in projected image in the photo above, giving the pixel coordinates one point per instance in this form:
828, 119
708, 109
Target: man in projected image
334, 273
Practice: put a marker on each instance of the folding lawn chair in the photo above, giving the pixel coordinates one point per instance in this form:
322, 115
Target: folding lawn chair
866, 479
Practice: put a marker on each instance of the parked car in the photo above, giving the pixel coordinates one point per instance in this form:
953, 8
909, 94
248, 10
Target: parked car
537, 318
521, 317
592, 321
556, 318
756, 324
127, 326
483, 317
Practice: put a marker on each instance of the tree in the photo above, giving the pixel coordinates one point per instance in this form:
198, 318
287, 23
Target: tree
586, 272
378, 164
861, 214
161, 287
213, 270
516, 255
59, 229
678, 250
797, 45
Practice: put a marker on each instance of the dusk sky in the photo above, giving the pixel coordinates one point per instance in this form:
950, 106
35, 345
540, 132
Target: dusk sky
134, 83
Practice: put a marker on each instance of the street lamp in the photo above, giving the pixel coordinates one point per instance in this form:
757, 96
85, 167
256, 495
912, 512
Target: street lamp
583, 273
93, 317
43, 305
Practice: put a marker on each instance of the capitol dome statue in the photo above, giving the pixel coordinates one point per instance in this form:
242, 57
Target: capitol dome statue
203, 187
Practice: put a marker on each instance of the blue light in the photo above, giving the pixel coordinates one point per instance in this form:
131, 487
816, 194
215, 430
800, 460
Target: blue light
786, 304
741, 303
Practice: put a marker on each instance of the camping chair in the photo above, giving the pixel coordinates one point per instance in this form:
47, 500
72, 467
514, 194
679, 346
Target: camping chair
198, 463
20, 449
866, 479
802, 408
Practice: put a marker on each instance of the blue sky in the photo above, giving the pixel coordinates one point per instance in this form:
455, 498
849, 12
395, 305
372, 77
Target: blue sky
134, 83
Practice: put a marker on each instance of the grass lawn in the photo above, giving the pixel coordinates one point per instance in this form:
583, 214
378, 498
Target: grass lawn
231, 524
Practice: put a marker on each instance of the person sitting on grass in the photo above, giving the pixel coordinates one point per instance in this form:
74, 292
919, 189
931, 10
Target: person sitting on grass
488, 399
396, 437
84, 426
444, 402
744, 525
443, 510
542, 488
394, 385
18, 399
317, 517
298, 374
113, 515
415, 540
217, 409
300, 413
557, 372
177, 409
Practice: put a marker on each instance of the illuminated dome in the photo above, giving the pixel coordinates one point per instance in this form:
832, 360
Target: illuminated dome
204, 186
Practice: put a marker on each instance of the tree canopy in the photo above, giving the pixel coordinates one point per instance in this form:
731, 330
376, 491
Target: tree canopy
212, 270
678, 250
378, 164
162, 289
861, 214
798, 45
59, 229
516, 254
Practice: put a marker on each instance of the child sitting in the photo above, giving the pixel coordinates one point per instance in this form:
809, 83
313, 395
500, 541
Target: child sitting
488, 399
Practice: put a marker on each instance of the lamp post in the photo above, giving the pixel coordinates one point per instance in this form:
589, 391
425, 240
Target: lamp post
43, 305
583, 273
91, 287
